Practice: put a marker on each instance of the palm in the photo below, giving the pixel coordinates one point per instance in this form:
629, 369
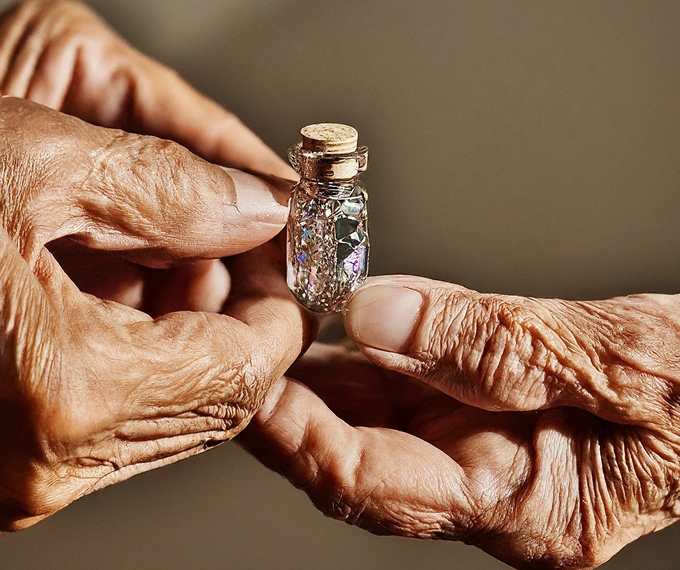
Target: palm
513, 477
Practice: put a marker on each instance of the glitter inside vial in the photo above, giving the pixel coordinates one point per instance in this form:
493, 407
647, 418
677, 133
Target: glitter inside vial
328, 245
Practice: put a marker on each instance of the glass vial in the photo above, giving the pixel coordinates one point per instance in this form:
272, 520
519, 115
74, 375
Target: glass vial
327, 251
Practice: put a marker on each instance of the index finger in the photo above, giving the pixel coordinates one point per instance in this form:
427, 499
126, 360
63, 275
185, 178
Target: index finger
62, 55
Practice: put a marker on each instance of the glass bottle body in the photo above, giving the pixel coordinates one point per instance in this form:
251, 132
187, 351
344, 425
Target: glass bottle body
328, 247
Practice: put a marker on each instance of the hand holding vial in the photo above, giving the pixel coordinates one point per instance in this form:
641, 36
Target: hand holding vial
543, 431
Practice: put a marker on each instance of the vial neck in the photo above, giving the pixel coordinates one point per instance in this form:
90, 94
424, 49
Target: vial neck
330, 188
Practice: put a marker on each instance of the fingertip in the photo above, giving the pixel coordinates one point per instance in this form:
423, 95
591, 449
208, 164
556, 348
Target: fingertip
262, 199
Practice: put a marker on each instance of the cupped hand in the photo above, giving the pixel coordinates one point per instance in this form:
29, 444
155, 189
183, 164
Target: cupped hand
93, 391
546, 432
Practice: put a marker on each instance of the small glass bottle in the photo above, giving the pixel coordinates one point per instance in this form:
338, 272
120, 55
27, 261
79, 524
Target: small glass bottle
327, 251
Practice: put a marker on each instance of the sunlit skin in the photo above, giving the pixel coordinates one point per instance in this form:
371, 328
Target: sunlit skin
545, 432
114, 356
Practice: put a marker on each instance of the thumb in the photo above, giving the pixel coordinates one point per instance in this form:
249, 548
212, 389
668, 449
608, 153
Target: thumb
490, 351
148, 198
158, 202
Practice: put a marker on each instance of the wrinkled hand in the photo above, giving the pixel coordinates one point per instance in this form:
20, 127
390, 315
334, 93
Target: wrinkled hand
93, 391
60, 54
546, 432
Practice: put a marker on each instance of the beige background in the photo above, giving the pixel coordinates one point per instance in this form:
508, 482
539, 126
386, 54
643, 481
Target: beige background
523, 147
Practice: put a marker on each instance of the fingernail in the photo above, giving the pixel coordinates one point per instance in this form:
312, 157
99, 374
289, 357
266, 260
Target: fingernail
282, 188
257, 199
384, 317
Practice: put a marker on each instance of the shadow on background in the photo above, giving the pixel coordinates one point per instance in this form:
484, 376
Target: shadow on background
528, 148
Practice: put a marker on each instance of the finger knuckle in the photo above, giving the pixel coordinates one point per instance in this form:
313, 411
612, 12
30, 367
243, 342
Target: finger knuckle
229, 123
238, 388
497, 344
255, 381
164, 170
509, 357
345, 490
339, 499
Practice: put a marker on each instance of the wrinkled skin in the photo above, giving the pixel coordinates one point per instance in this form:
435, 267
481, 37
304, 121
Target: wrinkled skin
546, 432
114, 358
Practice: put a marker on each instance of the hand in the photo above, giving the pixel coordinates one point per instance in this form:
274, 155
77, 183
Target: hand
92, 391
546, 432
60, 54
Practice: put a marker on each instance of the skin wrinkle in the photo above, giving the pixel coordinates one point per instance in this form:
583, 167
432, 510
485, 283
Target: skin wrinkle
611, 483
475, 339
145, 429
312, 468
440, 323
491, 364
14, 173
650, 479
106, 207
30, 230
98, 157
128, 471
621, 487
357, 505
594, 512
551, 457
573, 345
619, 345
568, 368
536, 392
129, 453
490, 357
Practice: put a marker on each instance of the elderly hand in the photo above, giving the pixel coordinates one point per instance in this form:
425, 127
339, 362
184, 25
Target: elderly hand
60, 54
546, 432
93, 391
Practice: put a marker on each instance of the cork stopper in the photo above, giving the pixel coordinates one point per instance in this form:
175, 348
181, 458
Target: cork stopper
329, 138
